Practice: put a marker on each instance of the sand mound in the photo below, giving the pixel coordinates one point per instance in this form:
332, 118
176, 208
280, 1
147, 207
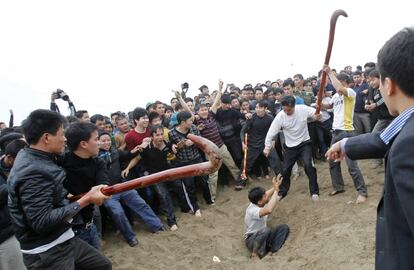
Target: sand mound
334, 233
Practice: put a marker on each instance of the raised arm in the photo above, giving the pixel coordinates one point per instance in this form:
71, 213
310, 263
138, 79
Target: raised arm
335, 82
218, 97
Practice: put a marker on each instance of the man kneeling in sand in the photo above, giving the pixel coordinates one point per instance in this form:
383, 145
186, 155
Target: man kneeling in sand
259, 238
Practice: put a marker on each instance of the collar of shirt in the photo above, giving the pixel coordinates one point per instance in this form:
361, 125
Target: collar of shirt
396, 125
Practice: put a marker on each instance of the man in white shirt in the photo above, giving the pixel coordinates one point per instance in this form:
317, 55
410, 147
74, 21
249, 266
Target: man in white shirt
294, 122
258, 237
343, 103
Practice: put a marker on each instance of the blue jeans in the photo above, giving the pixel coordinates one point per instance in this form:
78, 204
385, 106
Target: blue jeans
133, 201
89, 235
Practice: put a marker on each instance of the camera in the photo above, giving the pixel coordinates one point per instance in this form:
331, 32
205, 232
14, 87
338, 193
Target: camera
184, 86
61, 94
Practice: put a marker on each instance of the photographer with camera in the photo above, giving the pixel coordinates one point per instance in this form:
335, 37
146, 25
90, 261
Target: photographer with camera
60, 94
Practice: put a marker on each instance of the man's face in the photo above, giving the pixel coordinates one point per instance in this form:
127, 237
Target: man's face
57, 142
263, 201
314, 83
158, 137
271, 96
357, 79
205, 91
374, 82
168, 114
105, 142
258, 95
308, 87
225, 106
251, 94
275, 85
278, 96
156, 121
123, 125
85, 118
113, 119
288, 90
245, 106
91, 147
174, 103
298, 82
235, 104
245, 94
260, 111
288, 110
190, 105
142, 121
3, 126
108, 128
100, 124
188, 123
160, 109
384, 90
203, 112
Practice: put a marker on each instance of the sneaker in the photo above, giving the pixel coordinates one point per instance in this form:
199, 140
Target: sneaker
315, 197
198, 213
134, 242
174, 227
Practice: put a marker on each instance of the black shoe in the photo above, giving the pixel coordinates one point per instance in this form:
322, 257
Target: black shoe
134, 242
240, 184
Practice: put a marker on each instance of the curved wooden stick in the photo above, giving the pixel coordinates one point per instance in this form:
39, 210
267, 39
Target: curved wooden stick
334, 18
204, 168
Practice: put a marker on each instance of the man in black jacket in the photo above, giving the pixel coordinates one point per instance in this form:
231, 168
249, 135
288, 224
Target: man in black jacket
395, 213
40, 212
83, 171
10, 254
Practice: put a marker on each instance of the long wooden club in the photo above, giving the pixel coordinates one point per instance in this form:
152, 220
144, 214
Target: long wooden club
334, 18
204, 168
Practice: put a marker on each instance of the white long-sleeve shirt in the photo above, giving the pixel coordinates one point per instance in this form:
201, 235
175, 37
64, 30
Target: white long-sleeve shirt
295, 126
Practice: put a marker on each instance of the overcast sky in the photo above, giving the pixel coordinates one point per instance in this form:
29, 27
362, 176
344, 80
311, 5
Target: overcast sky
116, 55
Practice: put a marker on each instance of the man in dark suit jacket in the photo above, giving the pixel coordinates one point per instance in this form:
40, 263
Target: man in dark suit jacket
395, 213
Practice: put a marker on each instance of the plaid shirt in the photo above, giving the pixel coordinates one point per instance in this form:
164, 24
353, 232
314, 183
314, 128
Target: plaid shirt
185, 153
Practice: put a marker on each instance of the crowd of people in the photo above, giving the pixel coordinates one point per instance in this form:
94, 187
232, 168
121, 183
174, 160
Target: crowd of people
49, 159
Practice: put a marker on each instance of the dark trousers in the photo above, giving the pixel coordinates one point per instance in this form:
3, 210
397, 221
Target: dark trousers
301, 152
69, 255
267, 240
235, 148
186, 188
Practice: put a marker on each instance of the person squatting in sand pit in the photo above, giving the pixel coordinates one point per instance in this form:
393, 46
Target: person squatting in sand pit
259, 238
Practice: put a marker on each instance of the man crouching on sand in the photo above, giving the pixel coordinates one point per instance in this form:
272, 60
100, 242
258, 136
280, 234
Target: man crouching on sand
259, 238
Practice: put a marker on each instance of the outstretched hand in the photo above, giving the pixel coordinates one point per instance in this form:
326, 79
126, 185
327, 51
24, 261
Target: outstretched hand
335, 153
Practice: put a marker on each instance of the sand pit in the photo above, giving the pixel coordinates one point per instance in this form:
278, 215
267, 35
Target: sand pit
333, 233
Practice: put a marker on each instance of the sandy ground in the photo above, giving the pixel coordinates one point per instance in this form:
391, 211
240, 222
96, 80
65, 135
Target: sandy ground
334, 233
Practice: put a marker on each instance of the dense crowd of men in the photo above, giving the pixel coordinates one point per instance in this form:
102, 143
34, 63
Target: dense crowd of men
271, 126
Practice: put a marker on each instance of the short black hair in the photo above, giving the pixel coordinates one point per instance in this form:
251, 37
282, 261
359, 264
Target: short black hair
71, 119
138, 113
288, 101
188, 99
40, 122
396, 60
263, 104
14, 147
256, 194
344, 77
118, 113
183, 116
102, 132
79, 114
288, 82
300, 76
226, 99
374, 73
77, 132
155, 128
97, 117
153, 115
7, 137
357, 72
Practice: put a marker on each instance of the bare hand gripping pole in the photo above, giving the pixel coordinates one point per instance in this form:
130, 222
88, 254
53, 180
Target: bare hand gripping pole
205, 168
334, 18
